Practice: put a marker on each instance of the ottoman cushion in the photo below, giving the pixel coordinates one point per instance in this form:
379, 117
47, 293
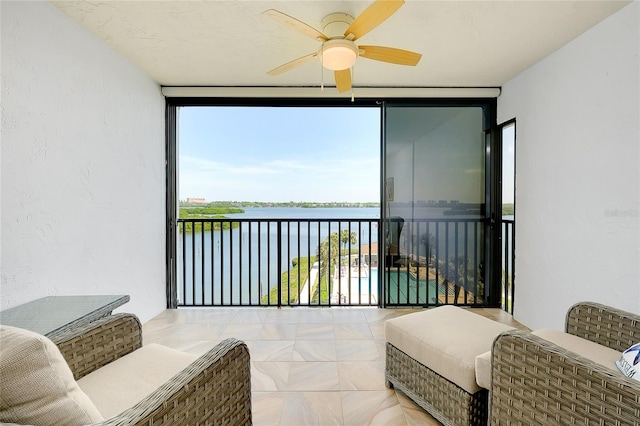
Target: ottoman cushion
445, 339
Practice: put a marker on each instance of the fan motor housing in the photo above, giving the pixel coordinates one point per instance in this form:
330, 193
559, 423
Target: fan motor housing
335, 24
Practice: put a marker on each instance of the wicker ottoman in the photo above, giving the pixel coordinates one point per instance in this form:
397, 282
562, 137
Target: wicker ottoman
431, 359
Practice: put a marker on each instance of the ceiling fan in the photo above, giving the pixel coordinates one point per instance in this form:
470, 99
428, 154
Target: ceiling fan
339, 51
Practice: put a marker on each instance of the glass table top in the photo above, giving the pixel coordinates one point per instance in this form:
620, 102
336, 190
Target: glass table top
54, 314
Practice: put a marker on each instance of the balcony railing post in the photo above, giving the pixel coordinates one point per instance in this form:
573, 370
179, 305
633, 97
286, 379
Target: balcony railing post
279, 268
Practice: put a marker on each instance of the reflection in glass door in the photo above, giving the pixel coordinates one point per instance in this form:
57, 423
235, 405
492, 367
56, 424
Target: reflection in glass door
508, 236
435, 205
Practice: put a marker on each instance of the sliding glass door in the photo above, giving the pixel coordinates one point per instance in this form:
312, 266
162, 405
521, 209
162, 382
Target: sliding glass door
436, 204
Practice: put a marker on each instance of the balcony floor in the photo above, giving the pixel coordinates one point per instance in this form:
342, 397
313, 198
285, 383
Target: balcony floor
310, 366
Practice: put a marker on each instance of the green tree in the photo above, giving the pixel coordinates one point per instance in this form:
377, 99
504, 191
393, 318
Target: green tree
461, 272
206, 223
329, 258
212, 210
346, 238
329, 252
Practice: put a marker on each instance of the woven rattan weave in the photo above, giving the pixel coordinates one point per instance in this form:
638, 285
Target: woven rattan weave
96, 344
536, 382
214, 390
444, 400
604, 325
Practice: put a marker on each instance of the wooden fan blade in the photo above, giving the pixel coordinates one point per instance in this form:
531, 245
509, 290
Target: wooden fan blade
343, 80
294, 24
390, 54
371, 17
291, 65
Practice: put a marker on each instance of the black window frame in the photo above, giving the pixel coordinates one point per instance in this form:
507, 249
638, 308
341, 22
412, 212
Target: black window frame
492, 164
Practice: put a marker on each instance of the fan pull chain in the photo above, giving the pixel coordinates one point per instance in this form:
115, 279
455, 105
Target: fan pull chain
353, 98
321, 70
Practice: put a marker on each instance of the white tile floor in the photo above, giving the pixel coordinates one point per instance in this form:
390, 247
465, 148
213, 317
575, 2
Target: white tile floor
310, 366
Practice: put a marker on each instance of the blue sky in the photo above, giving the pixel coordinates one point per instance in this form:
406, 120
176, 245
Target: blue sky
508, 158
279, 154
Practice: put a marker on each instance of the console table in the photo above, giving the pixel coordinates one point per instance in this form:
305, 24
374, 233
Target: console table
54, 315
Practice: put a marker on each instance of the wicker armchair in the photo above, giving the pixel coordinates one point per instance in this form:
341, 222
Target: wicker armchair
213, 390
537, 382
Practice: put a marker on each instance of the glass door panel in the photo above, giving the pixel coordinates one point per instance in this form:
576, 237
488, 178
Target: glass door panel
434, 205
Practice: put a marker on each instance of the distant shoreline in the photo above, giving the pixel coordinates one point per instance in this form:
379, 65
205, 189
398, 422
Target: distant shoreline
302, 204
507, 208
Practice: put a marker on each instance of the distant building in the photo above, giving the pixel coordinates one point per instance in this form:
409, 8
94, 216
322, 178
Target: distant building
196, 200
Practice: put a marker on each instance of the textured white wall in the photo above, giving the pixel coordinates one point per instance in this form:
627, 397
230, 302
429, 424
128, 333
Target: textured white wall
82, 166
577, 173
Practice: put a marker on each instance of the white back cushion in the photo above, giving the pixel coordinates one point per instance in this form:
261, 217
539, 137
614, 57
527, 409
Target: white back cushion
36, 384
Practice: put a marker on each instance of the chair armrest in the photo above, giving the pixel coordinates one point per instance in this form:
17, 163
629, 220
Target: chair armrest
100, 342
537, 382
607, 326
215, 389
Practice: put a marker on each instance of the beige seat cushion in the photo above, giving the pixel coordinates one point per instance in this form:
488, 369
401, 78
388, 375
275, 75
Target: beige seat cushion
36, 384
585, 348
446, 339
123, 383
483, 370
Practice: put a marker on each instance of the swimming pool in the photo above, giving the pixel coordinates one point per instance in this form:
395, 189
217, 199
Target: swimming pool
403, 288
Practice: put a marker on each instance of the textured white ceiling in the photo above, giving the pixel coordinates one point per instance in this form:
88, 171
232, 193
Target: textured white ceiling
230, 43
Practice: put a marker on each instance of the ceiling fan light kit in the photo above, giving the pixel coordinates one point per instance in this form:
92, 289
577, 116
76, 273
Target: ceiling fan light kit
339, 51
338, 54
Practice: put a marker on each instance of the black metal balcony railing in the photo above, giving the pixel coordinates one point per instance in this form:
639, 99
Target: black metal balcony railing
327, 262
277, 262
508, 264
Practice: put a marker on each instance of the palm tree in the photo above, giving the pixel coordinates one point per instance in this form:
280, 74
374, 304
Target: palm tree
346, 238
329, 251
329, 257
463, 274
